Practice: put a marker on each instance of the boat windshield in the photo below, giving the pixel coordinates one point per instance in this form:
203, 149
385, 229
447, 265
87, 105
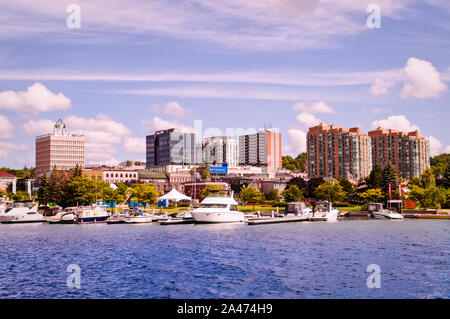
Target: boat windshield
213, 205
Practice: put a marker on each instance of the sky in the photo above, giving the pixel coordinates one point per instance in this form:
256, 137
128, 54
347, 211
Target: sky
119, 70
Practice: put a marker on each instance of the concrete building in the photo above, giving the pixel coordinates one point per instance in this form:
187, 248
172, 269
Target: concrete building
113, 176
165, 182
262, 149
338, 152
407, 151
194, 190
171, 147
221, 149
60, 149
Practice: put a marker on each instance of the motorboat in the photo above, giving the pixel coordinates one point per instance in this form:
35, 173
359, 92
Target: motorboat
92, 215
377, 211
184, 215
139, 218
67, 216
21, 214
298, 209
117, 218
218, 208
323, 211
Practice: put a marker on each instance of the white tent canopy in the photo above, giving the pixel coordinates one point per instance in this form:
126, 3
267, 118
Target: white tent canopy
175, 196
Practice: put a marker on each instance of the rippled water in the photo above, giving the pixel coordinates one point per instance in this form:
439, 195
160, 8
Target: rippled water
301, 260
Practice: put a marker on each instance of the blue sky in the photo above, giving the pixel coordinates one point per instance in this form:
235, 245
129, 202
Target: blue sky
137, 66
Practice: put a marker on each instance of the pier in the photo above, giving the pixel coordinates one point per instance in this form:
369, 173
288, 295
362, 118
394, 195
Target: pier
177, 221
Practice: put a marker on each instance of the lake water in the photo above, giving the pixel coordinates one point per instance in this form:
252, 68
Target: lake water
300, 260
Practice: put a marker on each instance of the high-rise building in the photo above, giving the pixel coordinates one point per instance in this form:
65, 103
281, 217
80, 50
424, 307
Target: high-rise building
171, 147
221, 149
60, 149
262, 149
408, 152
338, 152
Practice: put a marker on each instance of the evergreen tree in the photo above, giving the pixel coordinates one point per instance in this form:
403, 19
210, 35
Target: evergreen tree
43, 191
446, 182
55, 187
375, 177
390, 176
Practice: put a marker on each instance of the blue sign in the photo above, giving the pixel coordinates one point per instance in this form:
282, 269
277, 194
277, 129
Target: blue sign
219, 169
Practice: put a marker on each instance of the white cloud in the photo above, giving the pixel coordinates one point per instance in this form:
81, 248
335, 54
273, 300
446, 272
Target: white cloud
102, 135
176, 110
308, 120
36, 99
7, 148
297, 142
380, 87
319, 107
135, 145
158, 123
436, 146
447, 149
397, 122
424, 80
6, 128
38, 127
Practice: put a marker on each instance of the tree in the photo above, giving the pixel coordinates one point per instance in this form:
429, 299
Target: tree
330, 191
390, 176
55, 187
212, 189
249, 194
297, 164
144, 193
292, 194
273, 195
300, 183
427, 179
313, 183
446, 182
347, 186
372, 196
431, 197
375, 177
43, 191
21, 196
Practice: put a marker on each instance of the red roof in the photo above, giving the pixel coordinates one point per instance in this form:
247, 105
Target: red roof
7, 175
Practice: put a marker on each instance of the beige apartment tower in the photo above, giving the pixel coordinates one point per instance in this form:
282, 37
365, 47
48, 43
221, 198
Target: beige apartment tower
60, 149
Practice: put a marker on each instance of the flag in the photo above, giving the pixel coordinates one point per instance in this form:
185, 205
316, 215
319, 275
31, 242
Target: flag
390, 190
400, 190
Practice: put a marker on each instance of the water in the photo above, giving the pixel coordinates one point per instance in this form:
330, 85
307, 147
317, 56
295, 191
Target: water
300, 260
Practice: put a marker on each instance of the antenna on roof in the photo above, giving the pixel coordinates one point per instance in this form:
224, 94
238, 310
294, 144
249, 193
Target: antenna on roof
267, 125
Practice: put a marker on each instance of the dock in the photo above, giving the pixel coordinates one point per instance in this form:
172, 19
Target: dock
427, 216
276, 220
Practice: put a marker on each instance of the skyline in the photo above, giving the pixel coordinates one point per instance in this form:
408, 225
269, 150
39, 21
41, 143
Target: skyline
122, 75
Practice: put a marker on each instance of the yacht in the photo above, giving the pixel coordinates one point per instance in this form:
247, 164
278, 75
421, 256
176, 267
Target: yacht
218, 209
67, 216
92, 215
21, 214
323, 211
377, 211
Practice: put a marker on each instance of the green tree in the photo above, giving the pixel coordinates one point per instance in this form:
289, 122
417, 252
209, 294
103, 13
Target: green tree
56, 183
212, 189
375, 177
372, 196
347, 186
43, 191
446, 175
427, 179
292, 194
144, 193
330, 191
431, 197
390, 176
297, 164
274, 195
249, 194
20, 196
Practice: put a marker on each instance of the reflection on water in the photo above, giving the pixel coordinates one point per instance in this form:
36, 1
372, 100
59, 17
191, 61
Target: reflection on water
299, 260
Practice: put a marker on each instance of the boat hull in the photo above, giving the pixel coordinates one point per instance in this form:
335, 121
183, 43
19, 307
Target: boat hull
21, 221
139, 220
387, 216
92, 220
216, 217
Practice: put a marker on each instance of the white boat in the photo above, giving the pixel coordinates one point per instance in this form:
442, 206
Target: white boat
92, 215
65, 217
218, 209
142, 218
377, 211
323, 211
21, 214
298, 209
185, 215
